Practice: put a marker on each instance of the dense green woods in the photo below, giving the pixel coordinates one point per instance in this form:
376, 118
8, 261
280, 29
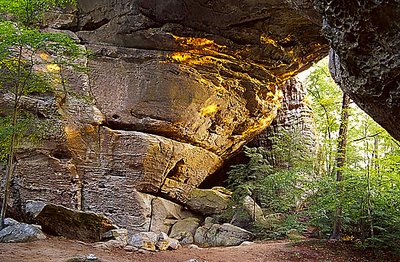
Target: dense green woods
309, 193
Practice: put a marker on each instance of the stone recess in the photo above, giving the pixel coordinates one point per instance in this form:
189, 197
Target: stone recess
173, 89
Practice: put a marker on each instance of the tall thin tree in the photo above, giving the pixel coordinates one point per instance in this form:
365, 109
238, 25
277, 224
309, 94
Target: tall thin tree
340, 164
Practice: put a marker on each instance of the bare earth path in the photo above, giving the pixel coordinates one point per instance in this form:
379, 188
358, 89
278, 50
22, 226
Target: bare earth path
60, 250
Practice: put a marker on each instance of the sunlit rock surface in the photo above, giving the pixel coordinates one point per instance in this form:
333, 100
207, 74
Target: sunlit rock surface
294, 117
173, 88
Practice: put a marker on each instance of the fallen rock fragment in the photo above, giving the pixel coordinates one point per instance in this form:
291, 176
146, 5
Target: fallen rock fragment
15, 232
222, 235
73, 224
184, 230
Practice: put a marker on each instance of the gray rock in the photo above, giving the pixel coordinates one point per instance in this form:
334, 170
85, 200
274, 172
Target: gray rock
73, 224
222, 235
21, 232
247, 243
10, 222
130, 248
164, 214
200, 236
119, 234
253, 209
164, 242
111, 244
33, 208
193, 246
184, 230
209, 221
364, 57
144, 240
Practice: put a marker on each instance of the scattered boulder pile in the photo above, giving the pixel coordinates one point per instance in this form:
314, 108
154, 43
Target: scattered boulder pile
168, 225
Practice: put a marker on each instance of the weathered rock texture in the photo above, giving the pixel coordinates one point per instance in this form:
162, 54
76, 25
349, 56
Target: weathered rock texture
365, 60
15, 232
294, 116
173, 88
60, 221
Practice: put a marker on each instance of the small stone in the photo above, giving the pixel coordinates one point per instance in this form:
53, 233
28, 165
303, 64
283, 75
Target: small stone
247, 243
91, 257
10, 222
117, 234
110, 244
193, 246
165, 242
130, 248
209, 221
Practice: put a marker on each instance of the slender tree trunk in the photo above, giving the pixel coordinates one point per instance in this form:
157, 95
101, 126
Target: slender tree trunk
10, 164
11, 152
340, 163
376, 168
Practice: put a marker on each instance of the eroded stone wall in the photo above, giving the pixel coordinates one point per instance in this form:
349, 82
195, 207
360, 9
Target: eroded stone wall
173, 88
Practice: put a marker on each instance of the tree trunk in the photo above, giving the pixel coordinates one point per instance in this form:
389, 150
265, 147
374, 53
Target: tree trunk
13, 143
340, 163
10, 165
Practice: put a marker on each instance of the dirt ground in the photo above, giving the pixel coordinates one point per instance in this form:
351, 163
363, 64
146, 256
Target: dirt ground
61, 250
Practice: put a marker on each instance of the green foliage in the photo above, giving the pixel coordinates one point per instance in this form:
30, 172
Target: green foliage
293, 180
244, 178
30, 12
370, 196
31, 60
30, 130
278, 188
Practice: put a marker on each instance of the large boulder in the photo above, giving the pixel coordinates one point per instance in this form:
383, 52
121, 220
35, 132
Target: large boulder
184, 230
144, 240
222, 235
209, 201
247, 213
152, 241
165, 214
61, 221
14, 232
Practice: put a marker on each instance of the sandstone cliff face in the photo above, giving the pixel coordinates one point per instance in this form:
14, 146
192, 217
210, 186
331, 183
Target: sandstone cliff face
294, 116
173, 88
